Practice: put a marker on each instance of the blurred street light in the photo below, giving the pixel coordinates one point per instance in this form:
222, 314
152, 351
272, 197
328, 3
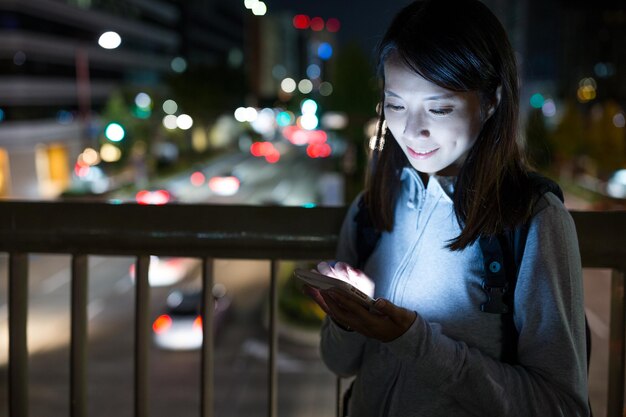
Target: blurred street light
110, 40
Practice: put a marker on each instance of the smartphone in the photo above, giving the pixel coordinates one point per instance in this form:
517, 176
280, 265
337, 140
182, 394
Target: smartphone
323, 282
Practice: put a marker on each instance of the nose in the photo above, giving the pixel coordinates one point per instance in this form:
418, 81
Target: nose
416, 127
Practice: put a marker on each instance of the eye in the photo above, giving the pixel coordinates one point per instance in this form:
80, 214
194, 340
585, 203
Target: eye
441, 112
394, 107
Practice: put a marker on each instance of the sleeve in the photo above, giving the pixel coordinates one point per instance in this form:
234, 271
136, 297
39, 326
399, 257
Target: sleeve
551, 376
342, 350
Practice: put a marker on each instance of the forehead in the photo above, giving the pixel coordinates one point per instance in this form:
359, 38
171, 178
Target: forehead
399, 77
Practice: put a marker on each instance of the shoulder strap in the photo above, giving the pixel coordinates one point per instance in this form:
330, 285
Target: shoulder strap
502, 255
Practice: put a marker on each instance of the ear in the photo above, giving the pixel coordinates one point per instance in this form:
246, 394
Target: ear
494, 103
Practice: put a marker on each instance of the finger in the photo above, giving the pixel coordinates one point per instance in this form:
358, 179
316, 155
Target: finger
316, 296
336, 310
327, 268
398, 315
387, 308
348, 300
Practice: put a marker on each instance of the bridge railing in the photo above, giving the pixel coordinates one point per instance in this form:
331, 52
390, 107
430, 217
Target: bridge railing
210, 232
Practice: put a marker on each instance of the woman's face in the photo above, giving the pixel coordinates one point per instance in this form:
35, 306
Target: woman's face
435, 127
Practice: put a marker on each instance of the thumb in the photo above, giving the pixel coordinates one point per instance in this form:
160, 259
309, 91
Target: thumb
386, 307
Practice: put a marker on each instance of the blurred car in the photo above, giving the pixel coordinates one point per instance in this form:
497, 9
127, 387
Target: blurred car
154, 197
166, 271
180, 326
616, 186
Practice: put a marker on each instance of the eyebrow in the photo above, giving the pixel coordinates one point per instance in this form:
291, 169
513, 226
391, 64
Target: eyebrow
435, 97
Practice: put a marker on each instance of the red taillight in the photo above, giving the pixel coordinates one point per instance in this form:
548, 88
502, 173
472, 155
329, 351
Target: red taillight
153, 197
197, 323
162, 323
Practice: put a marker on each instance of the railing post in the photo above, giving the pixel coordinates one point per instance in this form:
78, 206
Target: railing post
273, 341
142, 334
18, 346
207, 358
78, 348
615, 402
338, 399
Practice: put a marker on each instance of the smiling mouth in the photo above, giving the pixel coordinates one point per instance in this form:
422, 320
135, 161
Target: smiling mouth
422, 154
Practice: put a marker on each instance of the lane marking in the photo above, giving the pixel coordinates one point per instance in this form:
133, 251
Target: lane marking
94, 308
62, 277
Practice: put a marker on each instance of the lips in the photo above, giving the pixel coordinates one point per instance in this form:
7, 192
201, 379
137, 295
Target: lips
422, 154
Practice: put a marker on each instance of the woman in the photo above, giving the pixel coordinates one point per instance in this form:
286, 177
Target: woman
447, 171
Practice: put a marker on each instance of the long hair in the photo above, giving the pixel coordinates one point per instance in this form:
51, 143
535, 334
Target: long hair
461, 46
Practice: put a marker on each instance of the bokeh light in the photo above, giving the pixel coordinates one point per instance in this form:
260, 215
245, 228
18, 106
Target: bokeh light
169, 122
110, 153
317, 24
333, 25
114, 132
197, 179
110, 40
313, 71
586, 90
537, 100
301, 21
184, 121
308, 106
549, 108
179, 64
170, 107
259, 9
309, 121
143, 100
305, 86
324, 51
90, 156
326, 89
284, 118
288, 85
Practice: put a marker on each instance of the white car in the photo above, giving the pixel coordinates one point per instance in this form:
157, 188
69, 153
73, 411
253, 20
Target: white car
180, 327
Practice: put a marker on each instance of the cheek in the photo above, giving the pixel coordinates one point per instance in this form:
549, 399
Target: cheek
394, 127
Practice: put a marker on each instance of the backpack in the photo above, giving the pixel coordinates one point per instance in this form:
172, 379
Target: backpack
502, 256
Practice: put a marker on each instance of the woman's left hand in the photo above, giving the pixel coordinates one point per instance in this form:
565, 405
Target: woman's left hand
385, 322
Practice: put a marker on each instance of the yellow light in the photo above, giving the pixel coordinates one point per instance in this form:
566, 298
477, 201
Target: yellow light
90, 156
110, 153
585, 93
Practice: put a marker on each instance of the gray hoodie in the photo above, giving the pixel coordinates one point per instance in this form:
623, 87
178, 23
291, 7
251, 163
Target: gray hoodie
447, 363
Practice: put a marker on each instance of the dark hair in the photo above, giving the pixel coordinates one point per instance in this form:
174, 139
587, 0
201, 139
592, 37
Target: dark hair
461, 46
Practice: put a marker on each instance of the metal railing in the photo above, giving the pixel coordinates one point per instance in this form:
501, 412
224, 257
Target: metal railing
209, 232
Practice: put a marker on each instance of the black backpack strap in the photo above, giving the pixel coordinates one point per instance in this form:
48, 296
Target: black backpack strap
502, 257
499, 286
367, 236
542, 185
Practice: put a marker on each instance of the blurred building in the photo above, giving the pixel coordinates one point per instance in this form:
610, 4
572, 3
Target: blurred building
56, 79
292, 47
559, 43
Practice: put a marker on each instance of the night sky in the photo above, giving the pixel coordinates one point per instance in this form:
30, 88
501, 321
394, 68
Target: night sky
364, 21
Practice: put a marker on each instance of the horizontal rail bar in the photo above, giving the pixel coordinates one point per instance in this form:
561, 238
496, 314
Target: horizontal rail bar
249, 232
246, 232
